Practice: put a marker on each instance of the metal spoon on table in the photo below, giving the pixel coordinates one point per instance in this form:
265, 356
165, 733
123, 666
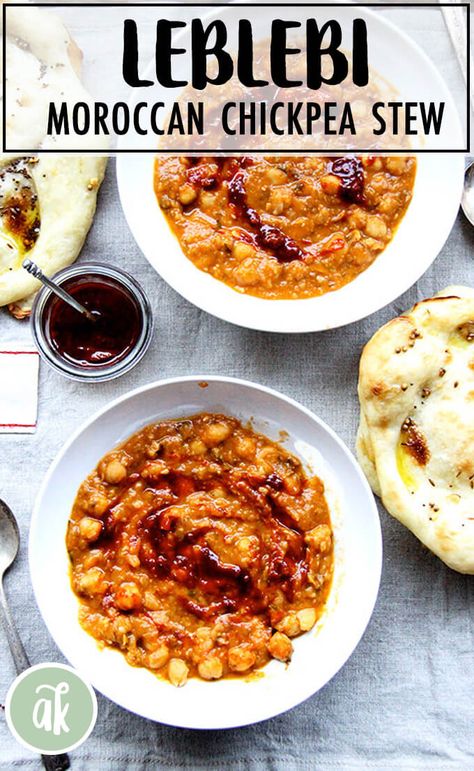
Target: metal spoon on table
467, 200
36, 271
9, 545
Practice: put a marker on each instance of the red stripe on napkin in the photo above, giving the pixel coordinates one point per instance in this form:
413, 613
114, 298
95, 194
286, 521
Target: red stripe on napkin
18, 388
20, 353
17, 425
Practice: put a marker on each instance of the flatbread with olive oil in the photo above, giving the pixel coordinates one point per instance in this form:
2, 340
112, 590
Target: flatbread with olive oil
47, 203
416, 434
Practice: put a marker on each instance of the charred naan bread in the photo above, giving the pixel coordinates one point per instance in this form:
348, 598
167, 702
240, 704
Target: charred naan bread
416, 433
47, 203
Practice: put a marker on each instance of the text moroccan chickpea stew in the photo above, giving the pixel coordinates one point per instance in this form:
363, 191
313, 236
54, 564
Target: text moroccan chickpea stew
200, 548
284, 228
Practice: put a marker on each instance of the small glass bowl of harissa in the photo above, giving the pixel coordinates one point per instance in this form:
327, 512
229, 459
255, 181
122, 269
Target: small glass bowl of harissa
104, 345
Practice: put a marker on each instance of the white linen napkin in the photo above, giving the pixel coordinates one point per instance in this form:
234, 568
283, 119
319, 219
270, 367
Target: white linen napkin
19, 364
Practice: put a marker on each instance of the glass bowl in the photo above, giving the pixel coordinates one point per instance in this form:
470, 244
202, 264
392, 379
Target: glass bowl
92, 371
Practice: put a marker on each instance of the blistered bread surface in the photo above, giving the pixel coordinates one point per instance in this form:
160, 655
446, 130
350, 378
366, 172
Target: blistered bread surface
416, 434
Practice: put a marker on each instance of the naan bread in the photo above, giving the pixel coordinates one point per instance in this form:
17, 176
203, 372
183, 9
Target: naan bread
47, 204
416, 435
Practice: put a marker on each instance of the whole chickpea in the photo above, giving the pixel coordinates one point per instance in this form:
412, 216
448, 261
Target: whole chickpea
290, 625
97, 504
248, 547
90, 528
245, 446
155, 469
211, 668
115, 472
319, 538
207, 199
128, 596
92, 582
197, 447
375, 227
177, 672
241, 250
396, 165
158, 657
276, 176
280, 647
215, 433
187, 195
246, 273
241, 658
306, 618
330, 184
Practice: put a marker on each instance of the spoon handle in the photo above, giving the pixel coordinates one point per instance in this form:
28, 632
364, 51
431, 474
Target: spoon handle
35, 271
19, 656
56, 762
20, 659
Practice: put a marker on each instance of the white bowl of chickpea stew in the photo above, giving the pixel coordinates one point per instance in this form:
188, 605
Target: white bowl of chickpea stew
296, 244
208, 533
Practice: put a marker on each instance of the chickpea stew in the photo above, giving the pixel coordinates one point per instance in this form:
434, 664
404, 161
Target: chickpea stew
284, 228
200, 548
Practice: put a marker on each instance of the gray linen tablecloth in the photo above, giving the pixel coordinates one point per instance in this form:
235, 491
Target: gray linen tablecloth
404, 699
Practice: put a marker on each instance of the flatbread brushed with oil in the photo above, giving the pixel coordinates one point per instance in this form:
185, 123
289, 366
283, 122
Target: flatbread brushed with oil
47, 203
416, 435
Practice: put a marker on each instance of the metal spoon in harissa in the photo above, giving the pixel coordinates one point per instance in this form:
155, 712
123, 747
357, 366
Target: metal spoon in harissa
467, 200
36, 271
9, 545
